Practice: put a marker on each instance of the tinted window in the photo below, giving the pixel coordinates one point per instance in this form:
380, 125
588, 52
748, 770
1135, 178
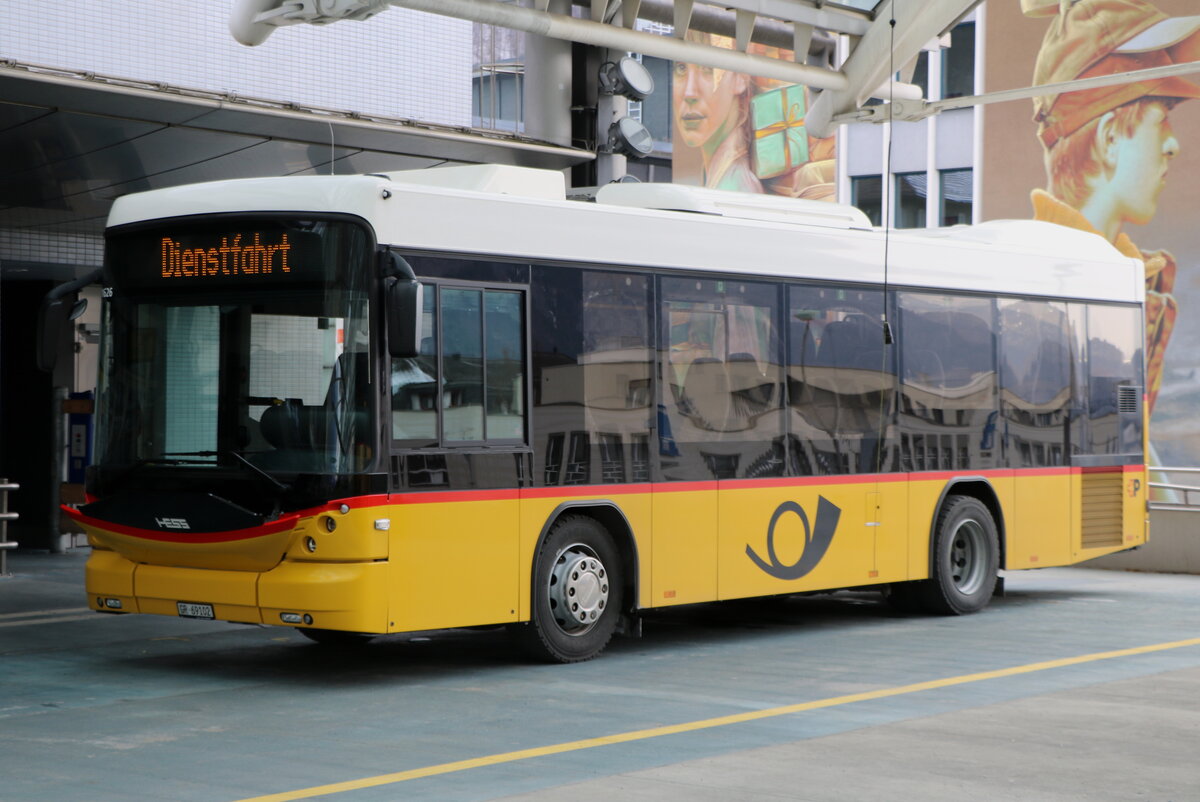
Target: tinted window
469, 378
1115, 382
840, 380
948, 388
1035, 381
592, 376
415, 383
721, 414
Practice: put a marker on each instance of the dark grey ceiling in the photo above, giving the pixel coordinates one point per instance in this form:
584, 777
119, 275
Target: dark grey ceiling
69, 146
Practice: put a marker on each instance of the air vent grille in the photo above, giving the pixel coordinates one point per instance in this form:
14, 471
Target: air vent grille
1129, 399
1102, 509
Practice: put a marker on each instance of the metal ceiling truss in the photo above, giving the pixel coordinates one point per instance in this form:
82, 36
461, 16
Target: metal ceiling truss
880, 43
611, 24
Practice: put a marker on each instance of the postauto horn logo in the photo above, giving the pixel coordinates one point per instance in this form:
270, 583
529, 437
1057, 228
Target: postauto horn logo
816, 539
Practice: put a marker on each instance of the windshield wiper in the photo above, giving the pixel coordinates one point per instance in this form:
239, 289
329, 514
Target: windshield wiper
275, 482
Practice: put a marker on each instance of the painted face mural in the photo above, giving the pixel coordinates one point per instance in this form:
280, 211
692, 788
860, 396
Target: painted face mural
1111, 160
735, 132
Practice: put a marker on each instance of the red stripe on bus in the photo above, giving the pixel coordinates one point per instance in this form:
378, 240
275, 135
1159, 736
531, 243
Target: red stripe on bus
580, 491
273, 527
587, 490
810, 481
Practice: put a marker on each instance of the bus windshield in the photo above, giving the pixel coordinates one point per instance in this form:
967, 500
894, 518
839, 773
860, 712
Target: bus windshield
238, 342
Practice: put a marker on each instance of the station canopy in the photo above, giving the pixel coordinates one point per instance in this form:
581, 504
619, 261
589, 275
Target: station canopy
875, 40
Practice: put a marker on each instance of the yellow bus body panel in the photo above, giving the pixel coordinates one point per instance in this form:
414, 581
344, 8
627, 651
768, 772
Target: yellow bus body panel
351, 596
869, 544
1039, 524
108, 575
685, 546
232, 594
453, 563
465, 559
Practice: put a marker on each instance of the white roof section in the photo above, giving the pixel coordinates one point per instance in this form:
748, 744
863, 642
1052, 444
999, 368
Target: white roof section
680, 198
514, 213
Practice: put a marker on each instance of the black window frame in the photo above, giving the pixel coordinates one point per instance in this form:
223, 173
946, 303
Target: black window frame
440, 443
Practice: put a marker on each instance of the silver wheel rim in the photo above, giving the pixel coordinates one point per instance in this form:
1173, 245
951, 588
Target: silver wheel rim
968, 557
577, 589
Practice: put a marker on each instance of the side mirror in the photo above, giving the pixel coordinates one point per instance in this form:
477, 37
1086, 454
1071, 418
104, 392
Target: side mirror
60, 306
52, 321
405, 303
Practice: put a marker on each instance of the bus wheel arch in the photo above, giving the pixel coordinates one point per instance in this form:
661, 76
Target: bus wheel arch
966, 550
981, 490
584, 565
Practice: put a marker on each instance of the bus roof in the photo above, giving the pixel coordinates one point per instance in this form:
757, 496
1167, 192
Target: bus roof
513, 212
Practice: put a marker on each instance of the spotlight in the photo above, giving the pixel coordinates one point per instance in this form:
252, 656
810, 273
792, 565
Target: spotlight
627, 78
630, 137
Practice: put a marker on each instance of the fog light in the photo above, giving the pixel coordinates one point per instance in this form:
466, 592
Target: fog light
290, 618
307, 618
330, 524
112, 604
310, 543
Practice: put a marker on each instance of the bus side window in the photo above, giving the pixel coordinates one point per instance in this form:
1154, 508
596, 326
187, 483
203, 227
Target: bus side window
467, 384
415, 382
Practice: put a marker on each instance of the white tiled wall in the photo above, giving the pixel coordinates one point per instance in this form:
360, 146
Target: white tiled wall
399, 63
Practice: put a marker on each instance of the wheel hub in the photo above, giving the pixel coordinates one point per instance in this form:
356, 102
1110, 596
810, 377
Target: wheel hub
578, 589
966, 557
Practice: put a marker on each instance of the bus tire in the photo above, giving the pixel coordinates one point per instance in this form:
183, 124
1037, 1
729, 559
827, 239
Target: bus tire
577, 593
966, 557
335, 637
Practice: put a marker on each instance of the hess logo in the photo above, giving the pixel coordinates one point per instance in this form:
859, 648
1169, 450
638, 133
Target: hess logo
172, 523
816, 539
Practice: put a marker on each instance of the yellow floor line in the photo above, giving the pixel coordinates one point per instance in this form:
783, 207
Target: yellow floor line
708, 723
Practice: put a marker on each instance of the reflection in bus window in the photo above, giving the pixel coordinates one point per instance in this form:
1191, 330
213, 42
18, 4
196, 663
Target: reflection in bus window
1115, 382
840, 381
721, 380
592, 376
948, 387
415, 383
1035, 381
470, 372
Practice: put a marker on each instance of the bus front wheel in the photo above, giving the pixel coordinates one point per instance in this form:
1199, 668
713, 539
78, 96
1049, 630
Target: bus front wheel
965, 560
577, 593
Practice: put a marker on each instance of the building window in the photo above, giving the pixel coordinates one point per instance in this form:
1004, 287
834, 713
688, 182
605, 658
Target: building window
911, 190
956, 198
920, 76
958, 63
866, 192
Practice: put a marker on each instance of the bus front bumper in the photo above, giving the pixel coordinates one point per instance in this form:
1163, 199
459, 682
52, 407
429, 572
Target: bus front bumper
349, 596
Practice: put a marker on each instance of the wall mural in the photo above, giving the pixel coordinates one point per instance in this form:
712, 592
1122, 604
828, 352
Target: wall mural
1109, 160
734, 131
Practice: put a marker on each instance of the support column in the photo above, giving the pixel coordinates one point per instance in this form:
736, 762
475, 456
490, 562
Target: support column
548, 84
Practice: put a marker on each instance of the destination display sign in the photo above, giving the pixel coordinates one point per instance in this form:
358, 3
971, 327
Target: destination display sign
231, 254
227, 255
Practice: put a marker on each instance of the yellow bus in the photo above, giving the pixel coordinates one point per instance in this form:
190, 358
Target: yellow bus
360, 405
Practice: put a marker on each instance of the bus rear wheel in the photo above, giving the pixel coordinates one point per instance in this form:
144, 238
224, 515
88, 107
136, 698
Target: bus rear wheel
966, 557
577, 593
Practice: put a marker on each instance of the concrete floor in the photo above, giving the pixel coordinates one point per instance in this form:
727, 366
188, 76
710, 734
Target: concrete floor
836, 697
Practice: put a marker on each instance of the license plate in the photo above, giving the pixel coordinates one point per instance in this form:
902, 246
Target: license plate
191, 610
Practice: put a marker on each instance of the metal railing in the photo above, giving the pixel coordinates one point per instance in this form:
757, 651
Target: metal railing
1185, 497
5, 517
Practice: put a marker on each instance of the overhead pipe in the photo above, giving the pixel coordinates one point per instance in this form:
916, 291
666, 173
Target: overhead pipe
253, 20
